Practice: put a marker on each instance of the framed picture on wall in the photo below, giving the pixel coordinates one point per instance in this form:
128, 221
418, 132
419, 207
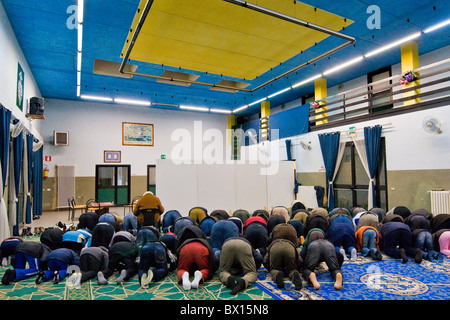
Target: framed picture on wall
137, 134
111, 156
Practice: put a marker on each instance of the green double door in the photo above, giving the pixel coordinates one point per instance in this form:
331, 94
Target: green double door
112, 183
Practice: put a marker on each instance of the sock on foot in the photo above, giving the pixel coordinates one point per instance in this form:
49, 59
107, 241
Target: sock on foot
185, 281
279, 280
121, 277
101, 278
297, 281
418, 256
231, 282
378, 256
197, 278
9, 276
240, 285
402, 253
353, 255
342, 251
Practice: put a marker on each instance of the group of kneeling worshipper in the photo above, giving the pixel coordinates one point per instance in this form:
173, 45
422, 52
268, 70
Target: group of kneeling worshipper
288, 242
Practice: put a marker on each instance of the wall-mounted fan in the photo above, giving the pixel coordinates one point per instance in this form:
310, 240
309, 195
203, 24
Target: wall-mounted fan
432, 125
17, 128
37, 145
306, 146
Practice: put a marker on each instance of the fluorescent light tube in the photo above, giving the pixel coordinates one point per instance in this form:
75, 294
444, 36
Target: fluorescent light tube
80, 37
219, 110
279, 92
131, 101
240, 108
78, 78
79, 61
258, 101
80, 11
78, 91
393, 44
437, 26
98, 98
194, 108
298, 84
343, 65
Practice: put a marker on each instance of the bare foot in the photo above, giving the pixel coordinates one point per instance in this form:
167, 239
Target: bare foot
313, 279
338, 282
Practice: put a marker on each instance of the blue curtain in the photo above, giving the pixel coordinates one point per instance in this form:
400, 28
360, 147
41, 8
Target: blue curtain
329, 144
5, 119
290, 122
37, 181
288, 150
18, 154
29, 154
372, 139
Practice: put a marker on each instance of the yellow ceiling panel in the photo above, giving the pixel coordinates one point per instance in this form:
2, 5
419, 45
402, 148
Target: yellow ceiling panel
218, 37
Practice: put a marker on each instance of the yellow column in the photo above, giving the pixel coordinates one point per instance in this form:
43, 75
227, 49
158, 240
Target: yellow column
410, 61
231, 124
265, 109
265, 112
320, 92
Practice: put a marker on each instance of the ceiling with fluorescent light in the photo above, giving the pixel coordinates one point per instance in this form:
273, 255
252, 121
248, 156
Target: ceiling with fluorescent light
196, 46
177, 33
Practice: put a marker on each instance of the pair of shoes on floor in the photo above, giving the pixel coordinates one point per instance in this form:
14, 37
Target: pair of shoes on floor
26, 232
61, 225
38, 231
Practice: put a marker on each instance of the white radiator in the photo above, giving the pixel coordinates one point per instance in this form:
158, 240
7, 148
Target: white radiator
440, 202
65, 182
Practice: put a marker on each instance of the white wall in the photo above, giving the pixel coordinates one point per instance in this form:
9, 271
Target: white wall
95, 127
10, 56
227, 187
408, 145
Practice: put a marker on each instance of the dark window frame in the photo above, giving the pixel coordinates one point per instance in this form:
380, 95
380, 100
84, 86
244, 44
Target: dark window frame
372, 96
378, 186
115, 187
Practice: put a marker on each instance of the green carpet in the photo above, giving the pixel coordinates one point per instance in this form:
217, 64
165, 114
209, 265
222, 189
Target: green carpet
166, 289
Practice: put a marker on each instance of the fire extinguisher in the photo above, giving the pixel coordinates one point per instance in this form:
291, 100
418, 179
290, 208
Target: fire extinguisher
46, 172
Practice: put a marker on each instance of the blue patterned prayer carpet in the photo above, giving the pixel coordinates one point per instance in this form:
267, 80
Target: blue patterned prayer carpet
365, 279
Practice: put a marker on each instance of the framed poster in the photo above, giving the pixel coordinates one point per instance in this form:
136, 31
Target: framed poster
111, 156
137, 134
20, 87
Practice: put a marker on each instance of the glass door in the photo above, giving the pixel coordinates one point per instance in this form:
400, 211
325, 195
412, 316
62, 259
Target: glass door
380, 92
351, 185
112, 184
151, 178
